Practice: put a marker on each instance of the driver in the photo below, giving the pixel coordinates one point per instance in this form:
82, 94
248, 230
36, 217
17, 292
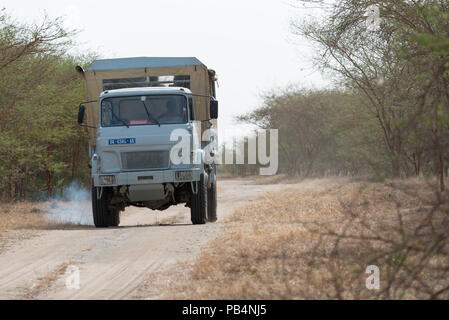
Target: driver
173, 113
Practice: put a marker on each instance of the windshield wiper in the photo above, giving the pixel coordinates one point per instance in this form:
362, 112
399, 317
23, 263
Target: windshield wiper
119, 119
150, 117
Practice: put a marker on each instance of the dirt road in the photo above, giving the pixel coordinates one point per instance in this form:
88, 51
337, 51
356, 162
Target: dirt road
113, 262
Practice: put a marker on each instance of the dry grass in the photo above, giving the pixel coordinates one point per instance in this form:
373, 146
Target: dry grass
22, 220
20, 215
44, 282
28, 215
314, 240
277, 179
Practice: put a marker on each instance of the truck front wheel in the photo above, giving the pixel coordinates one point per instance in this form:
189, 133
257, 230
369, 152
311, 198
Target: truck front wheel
102, 214
114, 217
198, 206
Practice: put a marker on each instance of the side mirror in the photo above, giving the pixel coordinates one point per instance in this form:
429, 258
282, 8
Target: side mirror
81, 110
213, 109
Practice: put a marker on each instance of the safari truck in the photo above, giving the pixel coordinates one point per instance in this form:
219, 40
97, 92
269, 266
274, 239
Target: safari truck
133, 106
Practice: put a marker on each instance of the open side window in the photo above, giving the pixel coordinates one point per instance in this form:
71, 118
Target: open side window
191, 109
152, 81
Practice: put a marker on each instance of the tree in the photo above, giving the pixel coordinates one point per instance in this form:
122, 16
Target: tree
19, 40
41, 144
308, 124
403, 79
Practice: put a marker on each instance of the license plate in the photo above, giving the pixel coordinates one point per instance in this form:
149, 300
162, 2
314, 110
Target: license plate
122, 141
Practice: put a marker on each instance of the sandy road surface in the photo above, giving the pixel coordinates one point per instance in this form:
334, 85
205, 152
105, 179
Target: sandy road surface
113, 262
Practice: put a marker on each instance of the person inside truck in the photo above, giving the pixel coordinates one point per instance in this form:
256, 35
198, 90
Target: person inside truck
174, 113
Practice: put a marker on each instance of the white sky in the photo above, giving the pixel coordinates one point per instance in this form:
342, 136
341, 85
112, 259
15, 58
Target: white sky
248, 42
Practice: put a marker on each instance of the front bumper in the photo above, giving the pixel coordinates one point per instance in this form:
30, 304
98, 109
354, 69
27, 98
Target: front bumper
145, 177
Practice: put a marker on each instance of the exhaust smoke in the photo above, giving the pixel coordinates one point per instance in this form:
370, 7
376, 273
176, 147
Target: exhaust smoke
75, 207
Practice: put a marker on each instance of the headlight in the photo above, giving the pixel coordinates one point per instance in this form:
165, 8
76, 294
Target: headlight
110, 179
183, 175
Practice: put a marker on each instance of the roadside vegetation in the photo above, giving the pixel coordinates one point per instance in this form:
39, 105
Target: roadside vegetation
42, 147
315, 239
21, 215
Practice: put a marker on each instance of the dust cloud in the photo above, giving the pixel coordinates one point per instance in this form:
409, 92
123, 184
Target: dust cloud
74, 207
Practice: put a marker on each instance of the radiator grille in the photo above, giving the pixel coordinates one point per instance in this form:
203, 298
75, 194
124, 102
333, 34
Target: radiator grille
145, 160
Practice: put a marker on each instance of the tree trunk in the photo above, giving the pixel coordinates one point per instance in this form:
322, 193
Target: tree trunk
438, 148
396, 167
309, 166
49, 183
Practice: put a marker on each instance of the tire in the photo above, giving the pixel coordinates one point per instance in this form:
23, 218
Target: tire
212, 203
198, 207
103, 216
114, 218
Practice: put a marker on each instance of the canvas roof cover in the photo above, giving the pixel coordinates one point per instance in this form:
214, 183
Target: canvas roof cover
142, 62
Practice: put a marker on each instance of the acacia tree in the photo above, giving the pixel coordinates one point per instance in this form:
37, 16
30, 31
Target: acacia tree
307, 126
404, 82
19, 40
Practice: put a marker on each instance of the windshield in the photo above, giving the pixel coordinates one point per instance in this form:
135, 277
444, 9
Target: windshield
143, 110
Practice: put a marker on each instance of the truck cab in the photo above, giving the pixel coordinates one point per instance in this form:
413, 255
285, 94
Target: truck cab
135, 132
